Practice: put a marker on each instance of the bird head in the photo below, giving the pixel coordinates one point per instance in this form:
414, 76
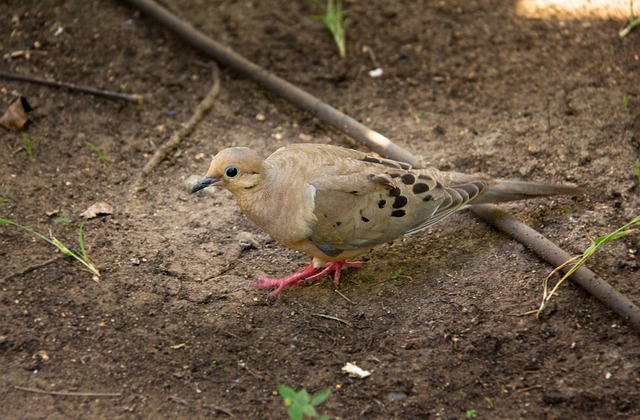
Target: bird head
235, 168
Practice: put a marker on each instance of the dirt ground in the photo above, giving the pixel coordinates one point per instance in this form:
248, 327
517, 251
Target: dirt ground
171, 325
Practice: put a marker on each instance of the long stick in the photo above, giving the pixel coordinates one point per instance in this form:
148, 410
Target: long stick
85, 89
70, 394
163, 151
376, 141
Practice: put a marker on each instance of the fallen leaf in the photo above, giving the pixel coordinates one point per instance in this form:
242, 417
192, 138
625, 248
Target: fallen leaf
16, 116
98, 209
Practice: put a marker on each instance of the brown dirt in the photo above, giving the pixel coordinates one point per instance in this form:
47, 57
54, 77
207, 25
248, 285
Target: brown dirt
471, 85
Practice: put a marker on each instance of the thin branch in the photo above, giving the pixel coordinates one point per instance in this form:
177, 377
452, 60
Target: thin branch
31, 268
70, 394
334, 318
166, 148
343, 296
85, 89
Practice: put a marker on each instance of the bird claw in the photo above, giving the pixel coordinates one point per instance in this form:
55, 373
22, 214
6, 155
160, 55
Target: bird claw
310, 273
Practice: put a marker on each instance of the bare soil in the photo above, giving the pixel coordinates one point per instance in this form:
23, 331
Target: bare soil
171, 325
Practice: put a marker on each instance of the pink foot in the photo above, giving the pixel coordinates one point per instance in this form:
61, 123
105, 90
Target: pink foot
310, 273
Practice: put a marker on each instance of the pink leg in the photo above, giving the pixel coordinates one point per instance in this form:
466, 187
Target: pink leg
336, 267
309, 273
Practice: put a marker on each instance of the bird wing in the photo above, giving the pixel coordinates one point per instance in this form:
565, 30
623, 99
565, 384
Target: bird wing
374, 203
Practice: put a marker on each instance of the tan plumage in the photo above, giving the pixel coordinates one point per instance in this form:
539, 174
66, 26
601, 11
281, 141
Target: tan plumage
335, 204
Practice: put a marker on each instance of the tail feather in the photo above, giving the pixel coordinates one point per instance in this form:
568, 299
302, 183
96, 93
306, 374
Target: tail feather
499, 191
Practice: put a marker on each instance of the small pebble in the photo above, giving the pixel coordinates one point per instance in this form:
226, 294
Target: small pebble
396, 396
376, 72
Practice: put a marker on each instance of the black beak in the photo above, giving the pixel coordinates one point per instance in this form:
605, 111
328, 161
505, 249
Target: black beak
204, 183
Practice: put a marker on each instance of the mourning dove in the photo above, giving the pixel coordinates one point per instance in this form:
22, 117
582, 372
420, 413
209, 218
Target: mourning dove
336, 204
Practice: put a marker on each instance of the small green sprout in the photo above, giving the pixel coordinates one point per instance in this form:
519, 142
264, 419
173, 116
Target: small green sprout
334, 20
471, 413
4, 197
302, 404
625, 99
29, 143
83, 258
633, 22
104, 159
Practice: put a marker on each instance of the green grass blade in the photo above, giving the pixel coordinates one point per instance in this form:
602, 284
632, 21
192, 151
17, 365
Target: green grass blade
81, 242
33, 232
53, 241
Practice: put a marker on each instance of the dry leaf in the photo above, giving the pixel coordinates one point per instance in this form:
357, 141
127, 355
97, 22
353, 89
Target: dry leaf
98, 209
16, 116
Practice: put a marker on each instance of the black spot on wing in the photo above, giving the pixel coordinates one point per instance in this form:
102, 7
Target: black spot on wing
394, 192
382, 203
420, 188
404, 165
398, 213
364, 219
408, 179
400, 202
394, 175
425, 177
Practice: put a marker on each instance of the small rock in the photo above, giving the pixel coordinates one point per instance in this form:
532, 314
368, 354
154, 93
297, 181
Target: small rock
376, 72
247, 240
260, 117
396, 396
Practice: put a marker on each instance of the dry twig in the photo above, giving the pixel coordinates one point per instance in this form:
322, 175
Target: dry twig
70, 394
79, 88
31, 268
163, 151
334, 318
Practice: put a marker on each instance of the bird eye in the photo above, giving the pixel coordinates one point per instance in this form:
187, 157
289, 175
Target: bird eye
231, 172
